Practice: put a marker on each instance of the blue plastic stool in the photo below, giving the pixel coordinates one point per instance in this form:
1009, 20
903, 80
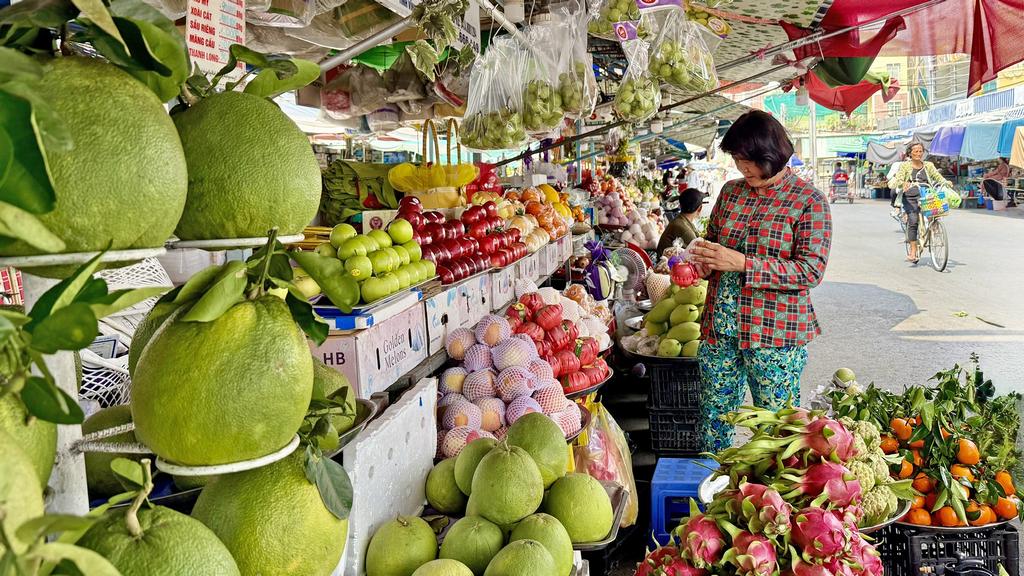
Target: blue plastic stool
675, 481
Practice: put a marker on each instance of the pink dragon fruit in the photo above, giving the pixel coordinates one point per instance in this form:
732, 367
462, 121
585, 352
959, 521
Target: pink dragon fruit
801, 568
830, 439
765, 510
820, 534
666, 561
865, 559
752, 555
826, 482
701, 540
821, 437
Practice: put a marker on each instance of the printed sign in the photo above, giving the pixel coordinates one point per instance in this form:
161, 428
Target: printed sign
625, 31
212, 27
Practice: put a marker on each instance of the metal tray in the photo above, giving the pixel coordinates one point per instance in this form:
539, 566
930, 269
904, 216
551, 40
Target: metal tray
590, 390
584, 423
471, 276
332, 311
681, 359
644, 305
634, 323
366, 410
230, 243
620, 498
899, 514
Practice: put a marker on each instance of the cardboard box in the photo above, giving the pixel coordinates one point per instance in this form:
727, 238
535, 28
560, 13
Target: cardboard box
477, 292
444, 312
502, 286
529, 267
373, 359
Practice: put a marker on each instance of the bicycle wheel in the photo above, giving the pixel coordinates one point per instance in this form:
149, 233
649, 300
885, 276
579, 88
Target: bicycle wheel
938, 245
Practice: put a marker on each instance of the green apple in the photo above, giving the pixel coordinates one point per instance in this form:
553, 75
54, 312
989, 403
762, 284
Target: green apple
326, 249
352, 247
381, 262
308, 286
370, 243
359, 267
431, 269
669, 348
400, 230
403, 254
396, 258
414, 250
416, 272
341, 233
382, 238
374, 289
393, 283
404, 278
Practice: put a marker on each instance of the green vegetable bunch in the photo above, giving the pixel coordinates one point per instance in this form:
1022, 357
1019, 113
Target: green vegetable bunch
637, 99
496, 130
542, 106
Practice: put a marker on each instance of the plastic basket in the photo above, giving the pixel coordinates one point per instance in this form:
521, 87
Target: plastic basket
910, 552
674, 431
674, 383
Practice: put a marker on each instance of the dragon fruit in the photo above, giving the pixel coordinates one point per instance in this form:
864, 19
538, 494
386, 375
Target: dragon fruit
701, 540
512, 352
532, 330
866, 560
492, 413
825, 482
666, 561
517, 314
823, 437
478, 357
532, 301
452, 379
541, 370
521, 407
479, 385
514, 382
461, 414
458, 341
492, 329
552, 399
752, 555
820, 533
764, 508
800, 568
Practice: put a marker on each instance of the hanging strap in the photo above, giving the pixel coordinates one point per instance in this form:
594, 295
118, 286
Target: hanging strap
453, 134
428, 131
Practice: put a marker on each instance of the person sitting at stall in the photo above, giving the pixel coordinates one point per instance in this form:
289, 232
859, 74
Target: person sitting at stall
683, 227
910, 178
767, 245
994, 181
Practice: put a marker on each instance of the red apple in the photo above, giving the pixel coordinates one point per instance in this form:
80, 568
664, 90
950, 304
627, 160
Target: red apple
515, 234
478, 229
488, 244
432, 233
410, 203
414, 218
455, 227
497, 260
434, 216
441, 254
490, 208
447, 276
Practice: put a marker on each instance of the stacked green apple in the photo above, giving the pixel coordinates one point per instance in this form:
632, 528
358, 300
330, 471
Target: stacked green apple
638, 99
495, 130
613, 11
542, 106
684, 66
383, 262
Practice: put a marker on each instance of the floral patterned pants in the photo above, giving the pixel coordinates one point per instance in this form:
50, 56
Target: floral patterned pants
773, 375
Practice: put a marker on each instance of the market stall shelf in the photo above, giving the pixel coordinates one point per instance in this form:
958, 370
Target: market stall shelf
892, 519
585, 418
179, 470
230, 243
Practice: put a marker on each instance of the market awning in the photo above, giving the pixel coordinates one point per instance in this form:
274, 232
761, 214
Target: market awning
981, 141
1006, 134
882, 154
926, 137
948, 141
1017, 154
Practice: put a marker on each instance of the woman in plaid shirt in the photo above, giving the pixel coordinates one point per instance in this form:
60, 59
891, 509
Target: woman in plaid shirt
767, 245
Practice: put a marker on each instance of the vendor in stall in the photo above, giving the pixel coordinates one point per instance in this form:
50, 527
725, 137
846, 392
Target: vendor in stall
766, 246
684, 226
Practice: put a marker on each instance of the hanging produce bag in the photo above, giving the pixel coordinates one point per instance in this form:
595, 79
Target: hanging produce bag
351, 91
549, 48
344, 24
639, 95
604, 454
576, 81
351, 187
608, 14
494, 112
678, 54
283, 14
429, 181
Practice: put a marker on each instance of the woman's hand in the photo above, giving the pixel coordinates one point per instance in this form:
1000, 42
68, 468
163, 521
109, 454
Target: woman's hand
906, 186
712, 256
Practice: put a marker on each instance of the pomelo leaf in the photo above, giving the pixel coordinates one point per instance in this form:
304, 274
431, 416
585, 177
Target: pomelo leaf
239, 53
72, 327
197, 284
88, 562
335, 487
17, 66
121, 299
96, 11
302, 313
44, 400
330, 274
36, 528
64, 292
226, 290
270, 83
129, 473
26, 182
38, 13
94, 289
16, 223
166, 60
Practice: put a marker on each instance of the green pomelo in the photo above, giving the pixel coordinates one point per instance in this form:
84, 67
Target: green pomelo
582, 505
191, 482
473, 541
443, 568
523, 558
467, 461
124, 182
250, 168
844, 375
507, 485
691, 348
684, 313
146, 329
21, 498
548, 531
544, 441
232, 389
171, 544
442, 491
661, 311
101, 480
685, 332
36, 438
401, 546
273, 520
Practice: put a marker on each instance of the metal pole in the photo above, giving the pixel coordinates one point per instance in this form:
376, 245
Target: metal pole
371, 41
814, 137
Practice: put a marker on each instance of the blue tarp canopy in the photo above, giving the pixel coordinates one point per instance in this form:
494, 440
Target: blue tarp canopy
948, 141
981, 141
1006, 133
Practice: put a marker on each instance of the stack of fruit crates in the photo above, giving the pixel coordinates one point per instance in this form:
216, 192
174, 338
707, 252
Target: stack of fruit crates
909, 551
673, 406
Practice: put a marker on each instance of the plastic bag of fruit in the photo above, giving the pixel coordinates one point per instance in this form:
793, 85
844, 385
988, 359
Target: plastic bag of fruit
604, 454
639, 95
550, 45
678, 54
494, 112
576, 81
607, 13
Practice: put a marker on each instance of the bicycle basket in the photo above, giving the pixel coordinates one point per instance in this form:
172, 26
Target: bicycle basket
934, 202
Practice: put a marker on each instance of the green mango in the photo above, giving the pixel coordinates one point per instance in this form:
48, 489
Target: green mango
691, 348
684, 313
692, 295
669, 348
656, 328
661, 311
685, 332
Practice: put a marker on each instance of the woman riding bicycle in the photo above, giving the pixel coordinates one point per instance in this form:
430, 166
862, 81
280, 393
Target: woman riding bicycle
910, 178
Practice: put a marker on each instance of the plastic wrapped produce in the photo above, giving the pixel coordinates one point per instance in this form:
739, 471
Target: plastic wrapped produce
678, 54
611, 12
494, 113
283, 13
639, 95
345, 23
550, 48
576, 81
606, 457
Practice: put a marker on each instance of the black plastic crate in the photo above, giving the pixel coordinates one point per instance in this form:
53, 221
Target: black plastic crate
674, 431
909, 551
675, 383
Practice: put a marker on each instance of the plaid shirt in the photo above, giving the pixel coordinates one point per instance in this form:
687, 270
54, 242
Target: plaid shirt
786, 233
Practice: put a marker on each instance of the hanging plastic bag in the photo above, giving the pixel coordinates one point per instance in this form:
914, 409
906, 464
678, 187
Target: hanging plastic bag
271, 40
639, 95
345, 23
549, 48
678, 54
494, 112
283, 14
603, 453
577, 83
403, 82
352, 91
609, 13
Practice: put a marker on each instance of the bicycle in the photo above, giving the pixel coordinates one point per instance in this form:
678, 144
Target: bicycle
931, 234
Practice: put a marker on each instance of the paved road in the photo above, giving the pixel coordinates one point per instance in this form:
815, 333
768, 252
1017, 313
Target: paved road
897, 324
